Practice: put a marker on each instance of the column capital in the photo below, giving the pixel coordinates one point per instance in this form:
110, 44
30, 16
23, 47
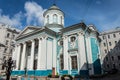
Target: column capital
24, 42
64, 37
40, 38
18, 44
80, 33
32, 40
45, 37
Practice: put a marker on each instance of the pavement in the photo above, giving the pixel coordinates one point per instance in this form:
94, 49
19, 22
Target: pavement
109, 77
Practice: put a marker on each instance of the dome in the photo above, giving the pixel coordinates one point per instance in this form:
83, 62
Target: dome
54, 18
53, 7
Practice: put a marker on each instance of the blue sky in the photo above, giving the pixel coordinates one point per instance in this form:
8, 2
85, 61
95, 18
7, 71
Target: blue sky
104, 14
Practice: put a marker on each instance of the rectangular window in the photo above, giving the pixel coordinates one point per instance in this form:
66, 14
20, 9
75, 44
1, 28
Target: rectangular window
74, 62
115, 42
110, 43
106, 58
110, 50
118, 57
105, 51
13, 36
114, 35
114, 66
108, 36
103, 37
112, 58
107, 65
8, 35
61, 62
7, 42
5, 50
104, 44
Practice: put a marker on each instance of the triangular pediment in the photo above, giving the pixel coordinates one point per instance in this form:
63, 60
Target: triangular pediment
28, 30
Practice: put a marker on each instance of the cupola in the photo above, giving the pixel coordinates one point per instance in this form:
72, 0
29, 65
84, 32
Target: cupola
54, 18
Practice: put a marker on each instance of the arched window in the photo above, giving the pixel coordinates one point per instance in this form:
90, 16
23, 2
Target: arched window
47, 18
8, 35
55, 18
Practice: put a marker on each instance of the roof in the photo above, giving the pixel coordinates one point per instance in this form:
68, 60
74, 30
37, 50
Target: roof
117, 29
36, 30
73, 27
13, 30
53, 7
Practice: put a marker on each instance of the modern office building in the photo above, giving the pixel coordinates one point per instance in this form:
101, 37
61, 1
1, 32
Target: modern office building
110, 49
41, 50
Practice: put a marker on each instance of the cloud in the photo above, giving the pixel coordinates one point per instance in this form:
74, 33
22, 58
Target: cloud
103, 21
34, 13
14, 21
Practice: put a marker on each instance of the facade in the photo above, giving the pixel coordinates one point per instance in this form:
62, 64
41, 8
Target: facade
1, 54
110, 49
7, 38
53, 48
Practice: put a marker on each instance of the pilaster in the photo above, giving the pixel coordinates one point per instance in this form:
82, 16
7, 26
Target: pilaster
65, 47
39, 53
81, 51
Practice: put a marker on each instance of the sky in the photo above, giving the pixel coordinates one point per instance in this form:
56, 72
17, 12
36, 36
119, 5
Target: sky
103, 14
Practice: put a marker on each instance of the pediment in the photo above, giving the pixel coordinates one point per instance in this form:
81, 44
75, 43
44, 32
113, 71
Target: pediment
28, 30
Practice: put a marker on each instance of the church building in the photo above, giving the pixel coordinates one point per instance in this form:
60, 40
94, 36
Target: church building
70, 50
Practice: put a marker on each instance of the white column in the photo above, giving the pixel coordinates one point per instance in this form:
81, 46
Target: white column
65, 47
32, 54
81, 51
43, 61
18, 50
39, 53
23, 57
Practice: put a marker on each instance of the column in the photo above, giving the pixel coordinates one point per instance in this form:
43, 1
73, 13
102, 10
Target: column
39, 53
23, 57
65, 47
18, 50
81, 51
43, 63
32, 54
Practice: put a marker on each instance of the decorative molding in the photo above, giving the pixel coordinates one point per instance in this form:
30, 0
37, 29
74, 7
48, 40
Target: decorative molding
65, 37
80, 33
